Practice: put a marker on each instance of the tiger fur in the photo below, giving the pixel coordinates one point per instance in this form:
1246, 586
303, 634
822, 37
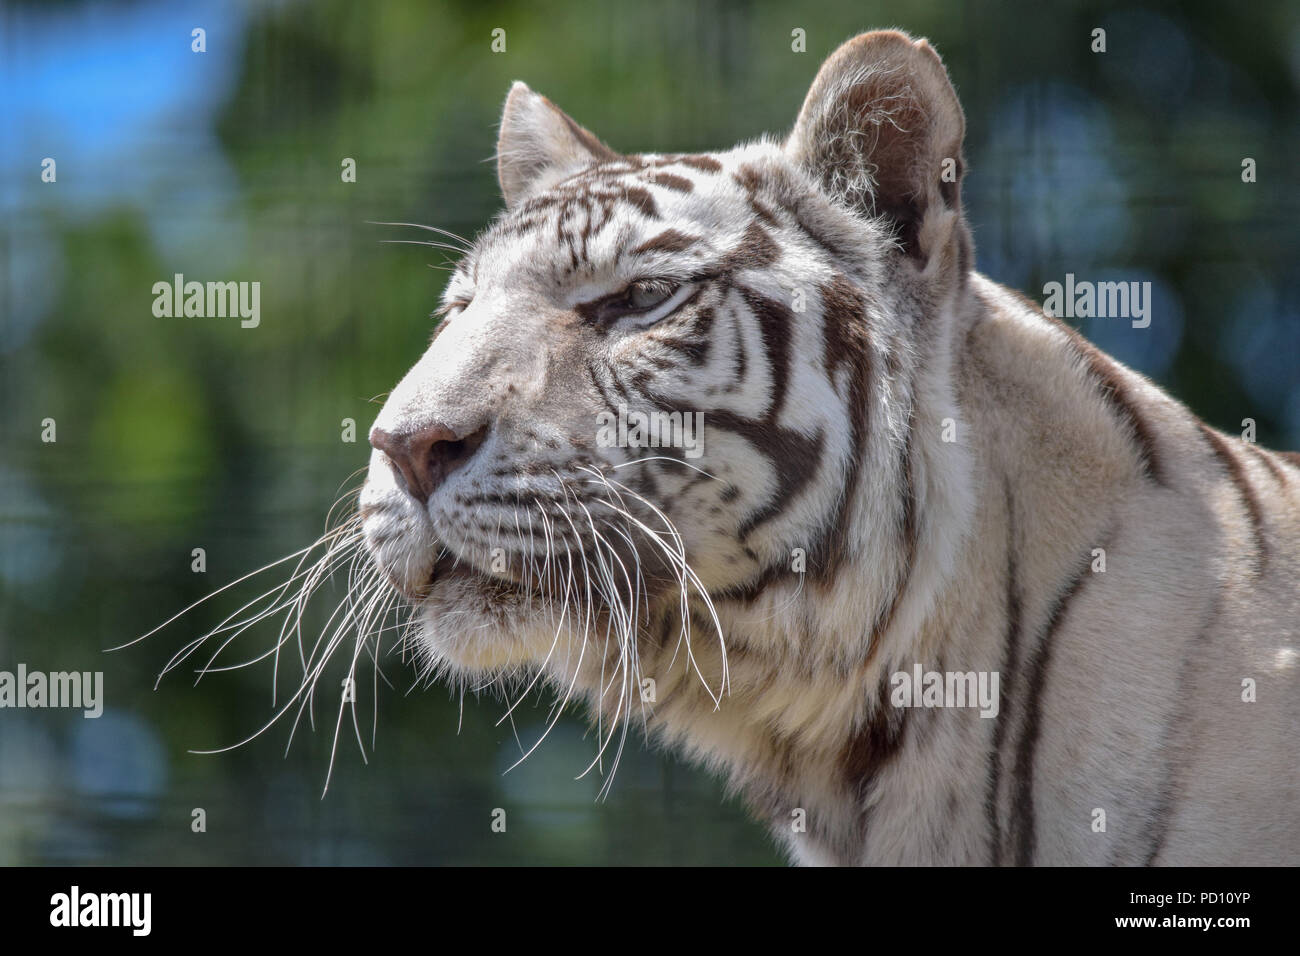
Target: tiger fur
903, 464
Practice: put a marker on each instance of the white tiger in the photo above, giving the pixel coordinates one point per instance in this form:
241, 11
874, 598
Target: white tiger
814, 299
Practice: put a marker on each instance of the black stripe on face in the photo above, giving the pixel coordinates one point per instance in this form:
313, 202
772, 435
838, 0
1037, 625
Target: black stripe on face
1236, 470
678, 184
794, 457
756, 250
621, 166
777, 188
641, 200
567, 199
694, 342
1024, 838
620, 387
845, 344
670, 240
748, 179
774, 322
742, 354
699, 161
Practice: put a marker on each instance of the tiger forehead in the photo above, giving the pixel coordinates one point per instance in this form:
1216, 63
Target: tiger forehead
651, 168
589, 200
654, 205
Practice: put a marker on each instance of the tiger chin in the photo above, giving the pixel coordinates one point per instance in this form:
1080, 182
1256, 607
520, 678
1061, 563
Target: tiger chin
904, 469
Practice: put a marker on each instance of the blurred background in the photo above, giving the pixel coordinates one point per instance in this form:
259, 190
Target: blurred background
175, 434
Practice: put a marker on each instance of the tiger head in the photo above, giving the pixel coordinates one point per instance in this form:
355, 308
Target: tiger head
666, 389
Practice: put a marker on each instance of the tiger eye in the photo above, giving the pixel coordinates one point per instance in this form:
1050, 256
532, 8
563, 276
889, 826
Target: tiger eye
643, 296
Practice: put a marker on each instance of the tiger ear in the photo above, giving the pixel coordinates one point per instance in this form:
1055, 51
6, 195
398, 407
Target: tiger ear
539, 144
881, 129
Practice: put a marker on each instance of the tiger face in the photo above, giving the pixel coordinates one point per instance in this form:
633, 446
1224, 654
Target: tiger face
651, 384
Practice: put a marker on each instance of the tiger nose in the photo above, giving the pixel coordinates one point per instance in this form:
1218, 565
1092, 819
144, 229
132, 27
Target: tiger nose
425, 456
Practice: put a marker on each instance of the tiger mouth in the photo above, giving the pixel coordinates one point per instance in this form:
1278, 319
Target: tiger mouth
450, 567
447, 566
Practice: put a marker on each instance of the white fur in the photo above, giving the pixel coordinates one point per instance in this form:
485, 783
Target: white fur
1141, 710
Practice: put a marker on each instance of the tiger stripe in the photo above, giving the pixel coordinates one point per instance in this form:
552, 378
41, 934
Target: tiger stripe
845, 346
1114, 388
1009, 670
1024, 835
1236, 471
1174, 771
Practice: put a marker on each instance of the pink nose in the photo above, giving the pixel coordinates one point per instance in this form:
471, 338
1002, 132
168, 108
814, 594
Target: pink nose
425, 456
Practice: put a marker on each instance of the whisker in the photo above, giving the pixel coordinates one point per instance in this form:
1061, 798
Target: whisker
415, 225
